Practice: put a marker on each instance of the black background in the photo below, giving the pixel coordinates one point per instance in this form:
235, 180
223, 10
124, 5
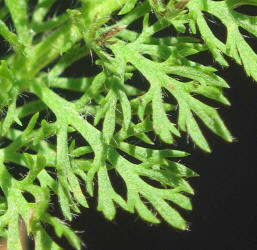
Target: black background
224, 205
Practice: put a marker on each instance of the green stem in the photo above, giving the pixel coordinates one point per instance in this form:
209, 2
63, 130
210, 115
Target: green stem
94, 16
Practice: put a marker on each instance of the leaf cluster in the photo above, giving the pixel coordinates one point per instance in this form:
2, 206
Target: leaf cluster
115, 117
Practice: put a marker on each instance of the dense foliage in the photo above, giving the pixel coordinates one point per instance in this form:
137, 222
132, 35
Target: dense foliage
112, 125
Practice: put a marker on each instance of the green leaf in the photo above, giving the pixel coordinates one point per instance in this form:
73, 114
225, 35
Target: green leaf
35, 168
97, 164
64, 169
104, 106
195, 133
235, 45
138, 130
126, 108
142, 102
63, 230
214, 93
20, 19
107, 196
129, 5
11, 117
181, 91
136, 186
161, 124
41, 9
211, 119
134, 201
43, 240
11, 38
64, 202
31, 125
81, 151
150, 155
200, 74
109, 120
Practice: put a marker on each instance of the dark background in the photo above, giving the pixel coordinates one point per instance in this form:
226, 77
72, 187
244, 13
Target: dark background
224, 205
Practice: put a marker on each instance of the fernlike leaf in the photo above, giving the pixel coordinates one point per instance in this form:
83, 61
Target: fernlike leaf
157, 197
161, 124
85, 128
156, 74
235, 45
107, 196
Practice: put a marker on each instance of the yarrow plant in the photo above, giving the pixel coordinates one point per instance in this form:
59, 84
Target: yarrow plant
111, 112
